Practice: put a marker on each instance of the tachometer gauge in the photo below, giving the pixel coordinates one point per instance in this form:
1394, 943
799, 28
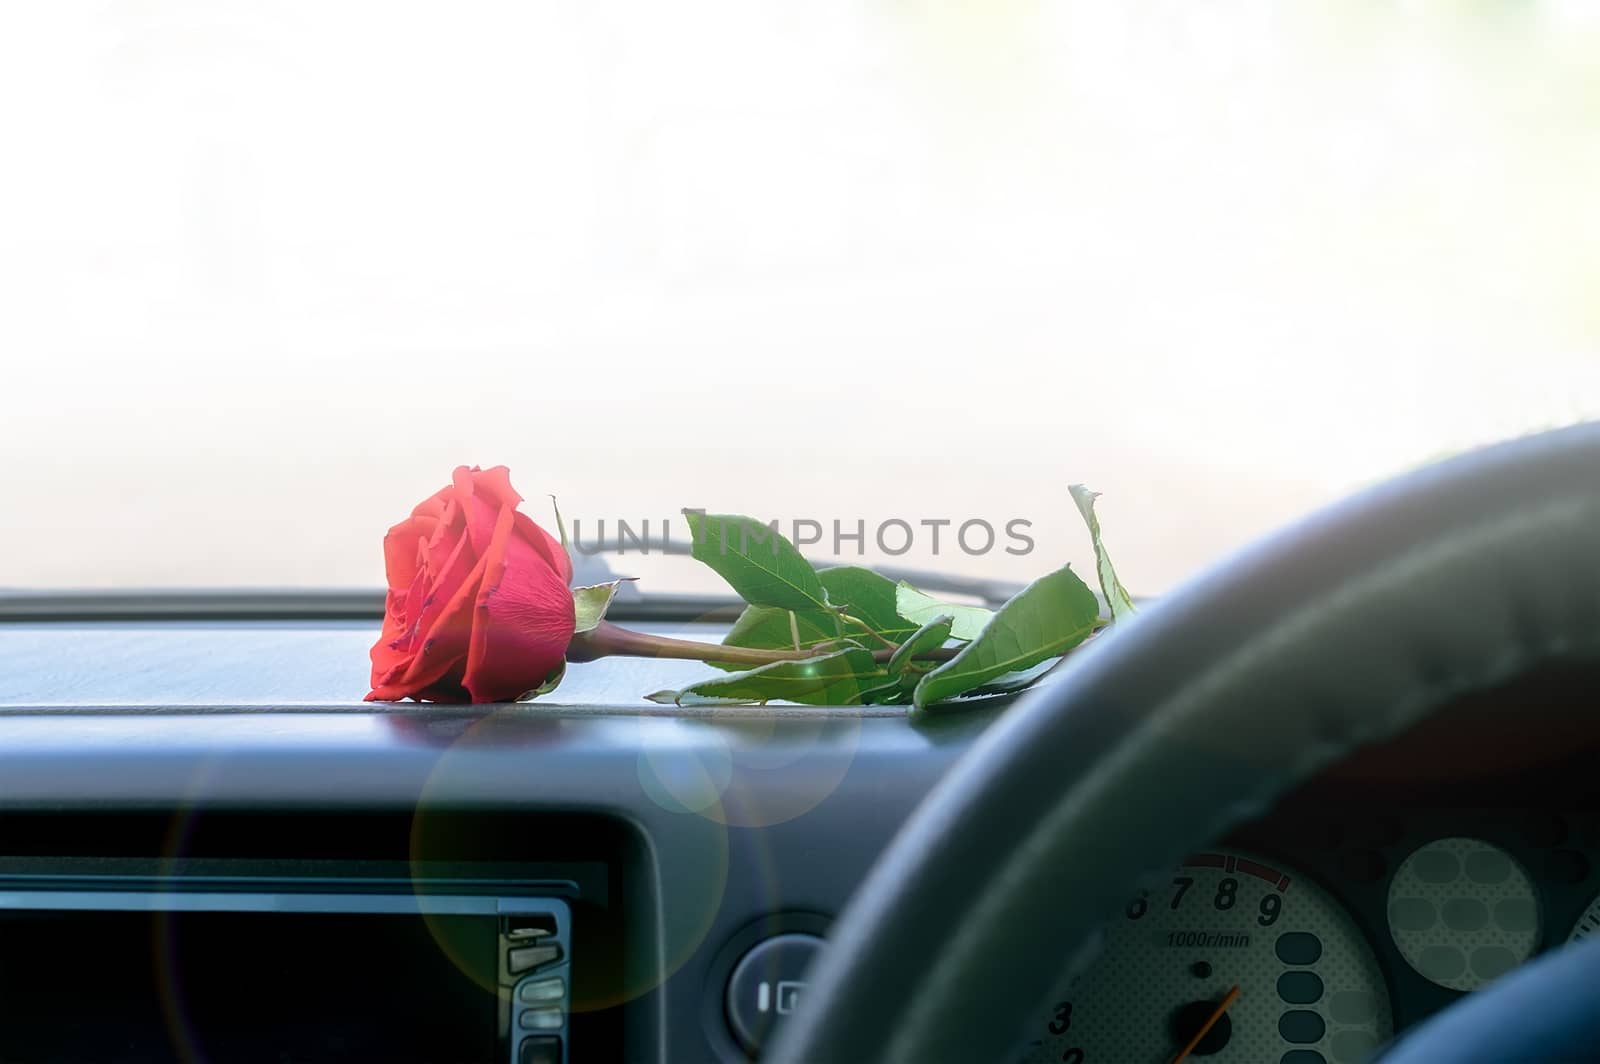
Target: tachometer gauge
1234, 958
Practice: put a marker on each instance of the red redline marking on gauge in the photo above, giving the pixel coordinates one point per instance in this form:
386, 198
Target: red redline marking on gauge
1241, 864
1261, 871
1204, 860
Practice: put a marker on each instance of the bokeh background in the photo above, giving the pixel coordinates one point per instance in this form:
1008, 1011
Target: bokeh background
268, 271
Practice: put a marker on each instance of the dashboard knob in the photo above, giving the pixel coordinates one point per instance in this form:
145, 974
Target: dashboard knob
767, 985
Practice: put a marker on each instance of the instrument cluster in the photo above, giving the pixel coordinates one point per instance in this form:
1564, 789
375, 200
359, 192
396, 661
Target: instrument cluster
1318, 934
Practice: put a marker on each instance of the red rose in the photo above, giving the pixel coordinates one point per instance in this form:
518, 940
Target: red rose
479, 608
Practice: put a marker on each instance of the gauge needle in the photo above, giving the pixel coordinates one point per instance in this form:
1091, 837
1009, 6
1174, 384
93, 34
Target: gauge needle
1211, 1021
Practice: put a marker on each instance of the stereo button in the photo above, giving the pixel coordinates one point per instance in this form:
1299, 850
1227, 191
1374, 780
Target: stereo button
540, 1020
541, 990
540, 1050
527, 958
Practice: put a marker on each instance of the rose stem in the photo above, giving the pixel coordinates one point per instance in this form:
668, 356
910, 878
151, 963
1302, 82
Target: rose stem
610, 640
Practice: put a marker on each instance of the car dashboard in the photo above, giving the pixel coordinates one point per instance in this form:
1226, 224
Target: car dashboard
281, 871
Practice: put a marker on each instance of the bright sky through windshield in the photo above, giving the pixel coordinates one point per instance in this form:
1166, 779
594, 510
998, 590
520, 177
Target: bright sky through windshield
270, 270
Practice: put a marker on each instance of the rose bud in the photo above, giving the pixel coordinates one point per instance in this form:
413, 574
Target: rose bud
478, 608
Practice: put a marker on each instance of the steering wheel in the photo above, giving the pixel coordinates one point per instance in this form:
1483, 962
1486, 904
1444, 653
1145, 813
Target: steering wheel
1352, 625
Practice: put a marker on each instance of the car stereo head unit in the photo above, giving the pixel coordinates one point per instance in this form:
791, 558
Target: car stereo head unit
283, 975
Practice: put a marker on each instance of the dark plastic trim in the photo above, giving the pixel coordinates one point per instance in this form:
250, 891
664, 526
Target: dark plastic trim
261, 604
360, 604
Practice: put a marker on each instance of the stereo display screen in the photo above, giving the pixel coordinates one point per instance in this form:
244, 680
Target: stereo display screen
242, 987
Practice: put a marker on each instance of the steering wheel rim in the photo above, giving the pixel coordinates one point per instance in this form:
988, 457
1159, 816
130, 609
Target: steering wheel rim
1351, 625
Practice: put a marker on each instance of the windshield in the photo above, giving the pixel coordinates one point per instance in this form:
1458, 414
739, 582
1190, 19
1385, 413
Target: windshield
271, 271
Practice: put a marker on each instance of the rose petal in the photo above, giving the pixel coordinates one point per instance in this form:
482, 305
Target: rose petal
442, 583
495, 483
445, 632
523, 624
392, 651
400, 558
482, 508
548, 546
410, 609
447, 534
441, 625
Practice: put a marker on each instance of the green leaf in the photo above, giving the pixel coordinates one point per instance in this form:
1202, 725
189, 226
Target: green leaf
1011, 682
1116, 596
756, 561
869, 597
550, 683
929, 637
561, 526
768, 628
843, 678
903, 663
894, 692
589, 604
1044, 620
919, 608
